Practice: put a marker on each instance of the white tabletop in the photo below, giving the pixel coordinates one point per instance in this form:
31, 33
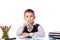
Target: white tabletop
36, 38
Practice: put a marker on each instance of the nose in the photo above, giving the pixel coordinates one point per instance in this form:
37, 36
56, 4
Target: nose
29, 17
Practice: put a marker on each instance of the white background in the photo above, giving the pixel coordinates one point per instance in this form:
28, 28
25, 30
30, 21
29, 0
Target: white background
47, 14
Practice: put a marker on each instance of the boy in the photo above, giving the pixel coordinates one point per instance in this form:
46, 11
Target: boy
30, 28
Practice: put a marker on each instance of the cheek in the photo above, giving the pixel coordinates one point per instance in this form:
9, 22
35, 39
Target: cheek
26, 19
32, 18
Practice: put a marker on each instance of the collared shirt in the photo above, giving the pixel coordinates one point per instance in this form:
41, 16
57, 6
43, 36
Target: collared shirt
39, 33
29, 28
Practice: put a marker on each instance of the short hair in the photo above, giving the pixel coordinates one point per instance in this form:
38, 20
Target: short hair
29, 10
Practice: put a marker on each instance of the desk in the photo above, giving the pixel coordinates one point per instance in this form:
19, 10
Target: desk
37, 38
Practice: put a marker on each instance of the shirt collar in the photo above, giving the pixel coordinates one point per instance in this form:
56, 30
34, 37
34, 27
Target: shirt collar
32, 25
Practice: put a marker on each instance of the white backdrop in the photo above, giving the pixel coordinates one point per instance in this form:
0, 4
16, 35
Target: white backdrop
47, 14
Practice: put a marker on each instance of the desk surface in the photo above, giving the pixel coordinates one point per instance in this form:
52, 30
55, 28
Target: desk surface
30, 39
37, 38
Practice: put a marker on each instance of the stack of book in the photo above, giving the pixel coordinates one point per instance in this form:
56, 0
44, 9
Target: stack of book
54, 35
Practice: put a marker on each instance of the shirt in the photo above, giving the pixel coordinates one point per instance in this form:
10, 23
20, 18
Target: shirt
39, 33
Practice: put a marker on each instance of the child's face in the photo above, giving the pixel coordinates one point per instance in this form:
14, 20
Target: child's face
29, 17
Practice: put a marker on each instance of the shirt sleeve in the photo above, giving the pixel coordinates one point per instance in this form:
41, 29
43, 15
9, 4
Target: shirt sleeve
20, 31
40, 33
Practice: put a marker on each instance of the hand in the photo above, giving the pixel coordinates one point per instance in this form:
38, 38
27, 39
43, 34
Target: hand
26, 34
26, 24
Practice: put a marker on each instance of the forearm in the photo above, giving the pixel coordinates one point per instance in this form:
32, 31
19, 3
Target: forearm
37, 34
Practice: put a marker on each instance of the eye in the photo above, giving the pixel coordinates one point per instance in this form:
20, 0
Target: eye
31, 16
26, 16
